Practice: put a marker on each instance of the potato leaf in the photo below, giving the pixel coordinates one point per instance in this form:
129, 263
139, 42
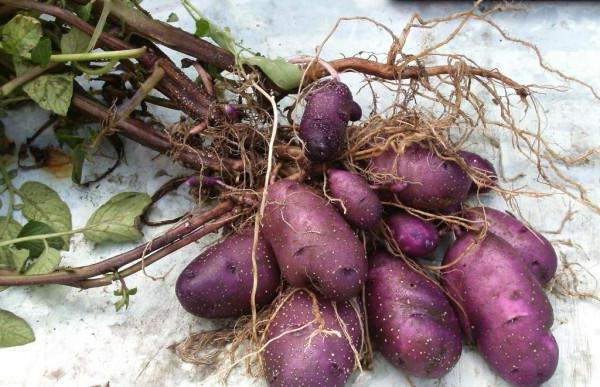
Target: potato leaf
43, 204
17, 257
75, 41
14, 330
285, 75
21, 34
117, 219
172, 18
46, 263
41, 53
52, 92
37, 247
77, 159
9, 229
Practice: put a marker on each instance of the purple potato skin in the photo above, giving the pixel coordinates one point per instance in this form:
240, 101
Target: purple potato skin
325, 118
312, 242
531, 246
363, 208
428, 182
295, 359
506, 311
412, 322
414, 236
218, 283
484, 166
355, 112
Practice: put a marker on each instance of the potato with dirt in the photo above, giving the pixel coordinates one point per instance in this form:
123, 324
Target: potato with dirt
357, 201
420, 178
414, 236
410, 319
502, 308
329, 107
312, 242
312, 342
530, 245
218, 283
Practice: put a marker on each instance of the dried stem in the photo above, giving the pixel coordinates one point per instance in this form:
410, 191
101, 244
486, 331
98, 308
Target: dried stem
77, 274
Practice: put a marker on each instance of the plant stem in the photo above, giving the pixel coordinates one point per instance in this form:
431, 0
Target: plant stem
93, 56
175, 85
168, 35
141, 93
140, 132
73, 275
391, 72
22, 79
152, 258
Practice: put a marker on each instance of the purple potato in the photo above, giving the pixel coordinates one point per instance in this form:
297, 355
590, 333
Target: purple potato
484, 167
325, 118
218, 283
355, 112
304, 357
363, 208
503, 308
531, 246
312, 242
414, 236
412, 322
421, 179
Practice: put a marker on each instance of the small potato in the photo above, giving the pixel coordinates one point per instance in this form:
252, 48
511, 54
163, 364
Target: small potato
484, 167
355, 112
421, 179
414, 236
320, 354
410, 319
312, 242
531, 246
502, 308
218, 283
363, 208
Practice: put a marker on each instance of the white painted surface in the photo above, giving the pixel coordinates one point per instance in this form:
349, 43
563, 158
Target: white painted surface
82, 341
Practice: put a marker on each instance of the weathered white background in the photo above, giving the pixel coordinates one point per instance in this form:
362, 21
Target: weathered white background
82, 341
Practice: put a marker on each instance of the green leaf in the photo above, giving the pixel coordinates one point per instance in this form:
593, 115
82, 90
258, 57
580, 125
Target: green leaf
285, 75
85, 11
10, 231
172, 18
37, 247
21, 34
46, 263
202, 28
18, 258
77, 159
14, 330
41, 53
52, 92
74, 42
117, 219
43, 204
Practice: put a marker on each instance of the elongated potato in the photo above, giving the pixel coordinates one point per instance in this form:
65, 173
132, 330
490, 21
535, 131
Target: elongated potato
307, 355
361, 204
312, 242
421, 179
531, 246
218, 283
323, 125
411, 321
503, 308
